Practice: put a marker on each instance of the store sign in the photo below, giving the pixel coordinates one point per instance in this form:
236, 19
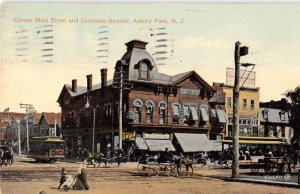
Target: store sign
156, 136
128, 136
189, 92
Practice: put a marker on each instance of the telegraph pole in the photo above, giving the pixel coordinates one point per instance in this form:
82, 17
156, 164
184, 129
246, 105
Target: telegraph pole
236, 128
238, 52
121, 107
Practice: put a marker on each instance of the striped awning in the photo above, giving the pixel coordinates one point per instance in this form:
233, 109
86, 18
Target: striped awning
159, 145
222, 116
254, 142
204, 114
191, 142
141, 144
194, 114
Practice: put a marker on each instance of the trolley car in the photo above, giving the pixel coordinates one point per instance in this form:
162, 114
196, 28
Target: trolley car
46, 148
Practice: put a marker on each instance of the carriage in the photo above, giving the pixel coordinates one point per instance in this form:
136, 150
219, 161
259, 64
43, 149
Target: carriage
269, 164
155, 168
169, 166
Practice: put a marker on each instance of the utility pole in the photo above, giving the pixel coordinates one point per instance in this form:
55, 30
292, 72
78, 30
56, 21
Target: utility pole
236, 128
93, 140
19, 137
121, 107
238, 52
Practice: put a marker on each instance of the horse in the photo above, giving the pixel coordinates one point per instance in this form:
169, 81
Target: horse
3, 159
186, 161
9, 156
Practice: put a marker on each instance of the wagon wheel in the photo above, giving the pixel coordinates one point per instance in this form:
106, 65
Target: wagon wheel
254, 168
153, 170
142, 169
163, 169
268, 168
285, 168
173, 170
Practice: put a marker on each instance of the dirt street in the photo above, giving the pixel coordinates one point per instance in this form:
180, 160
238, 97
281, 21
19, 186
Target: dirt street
27, 177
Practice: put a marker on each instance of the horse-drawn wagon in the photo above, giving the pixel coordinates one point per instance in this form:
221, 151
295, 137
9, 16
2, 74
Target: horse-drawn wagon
268, 164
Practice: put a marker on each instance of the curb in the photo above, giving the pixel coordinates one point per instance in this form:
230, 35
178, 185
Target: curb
275, 183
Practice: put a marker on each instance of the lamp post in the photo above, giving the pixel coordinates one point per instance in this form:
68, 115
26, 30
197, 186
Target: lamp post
87, 105
239, 51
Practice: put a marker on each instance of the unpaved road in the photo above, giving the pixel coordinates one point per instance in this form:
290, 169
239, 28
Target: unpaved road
27, 177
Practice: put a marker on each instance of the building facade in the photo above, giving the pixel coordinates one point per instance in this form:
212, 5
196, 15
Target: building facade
248, 109
274, 120
162, 111
38, 124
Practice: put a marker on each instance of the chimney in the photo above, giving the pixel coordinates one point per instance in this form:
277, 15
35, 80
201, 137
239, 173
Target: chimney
89, 82
103, 77
136, 44
74, 85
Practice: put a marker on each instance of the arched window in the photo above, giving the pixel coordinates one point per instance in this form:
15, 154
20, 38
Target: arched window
162, 112
137, 110
175, 107
149, 112
144, 71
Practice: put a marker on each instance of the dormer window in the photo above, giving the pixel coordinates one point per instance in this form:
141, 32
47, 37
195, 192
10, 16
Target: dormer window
265, 114
144, 67
282, 115
144, 71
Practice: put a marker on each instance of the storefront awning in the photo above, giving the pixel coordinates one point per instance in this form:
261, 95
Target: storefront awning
204, 114
255, 142
191, 142
194, 114
159, 145
141, 144
222, 116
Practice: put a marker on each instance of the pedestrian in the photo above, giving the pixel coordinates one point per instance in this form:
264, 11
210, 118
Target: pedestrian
81, 179
63, 177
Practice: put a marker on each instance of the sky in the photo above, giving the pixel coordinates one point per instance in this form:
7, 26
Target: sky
33, 71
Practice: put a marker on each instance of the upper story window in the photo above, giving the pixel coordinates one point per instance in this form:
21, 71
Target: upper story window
149, 112
229, 102
162, 112
137, 110
175, 113
144, 71
144, 68
282, 115
244, 103
252, 104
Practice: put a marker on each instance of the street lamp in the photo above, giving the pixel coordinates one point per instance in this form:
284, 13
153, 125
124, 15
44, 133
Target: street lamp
239, 51
87, 105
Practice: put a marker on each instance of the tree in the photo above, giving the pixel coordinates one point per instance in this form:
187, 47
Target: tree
294, 98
